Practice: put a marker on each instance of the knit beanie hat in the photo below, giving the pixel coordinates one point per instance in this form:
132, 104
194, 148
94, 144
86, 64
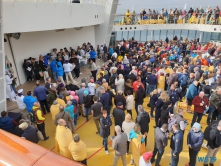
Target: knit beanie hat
197, 126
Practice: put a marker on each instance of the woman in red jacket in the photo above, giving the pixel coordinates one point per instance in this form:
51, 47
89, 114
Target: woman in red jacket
200, 103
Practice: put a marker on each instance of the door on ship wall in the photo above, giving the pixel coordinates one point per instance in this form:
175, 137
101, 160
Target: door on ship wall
113, 40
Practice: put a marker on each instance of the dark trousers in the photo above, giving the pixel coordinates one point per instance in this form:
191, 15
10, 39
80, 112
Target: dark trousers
37, 75
93, 59
44, 105
83, 162
129, 112
128, 146
94, 73
41, 128
136, 106
76, 71
192, 157
196, 118
151, 109
157, 117
159, 153
174, 159
29, 75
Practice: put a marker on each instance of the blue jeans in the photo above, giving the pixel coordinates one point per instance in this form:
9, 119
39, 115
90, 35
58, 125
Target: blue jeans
159, 153
75, 118
174, 159
211, 111
147, 87
55, 76
151, 88
86, 112
198, 116
136, 106
105, 143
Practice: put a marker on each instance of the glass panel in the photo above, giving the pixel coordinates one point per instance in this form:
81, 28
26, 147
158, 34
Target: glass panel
184, 34
119, 35
131, 34
149, 35
197, 34
206, 37
191, 35
143, 36
170, 34
124, 35
137, 36
163, 34
215, 36
177, 33
156, 35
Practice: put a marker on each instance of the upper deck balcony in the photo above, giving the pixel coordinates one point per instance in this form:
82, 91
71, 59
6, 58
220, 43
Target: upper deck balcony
42, 15
173, 18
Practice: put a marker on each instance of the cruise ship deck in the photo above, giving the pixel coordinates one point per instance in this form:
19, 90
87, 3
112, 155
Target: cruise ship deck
96, 155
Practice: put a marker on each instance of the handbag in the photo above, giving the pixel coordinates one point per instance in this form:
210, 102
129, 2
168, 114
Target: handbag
40, 136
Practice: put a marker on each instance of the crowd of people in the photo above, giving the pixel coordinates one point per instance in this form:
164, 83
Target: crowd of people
165, 73
197, 16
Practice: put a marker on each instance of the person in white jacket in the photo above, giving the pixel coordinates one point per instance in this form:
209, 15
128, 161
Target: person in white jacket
127, 126
91, 86
67, 70
9, 91
119, 82
129, 102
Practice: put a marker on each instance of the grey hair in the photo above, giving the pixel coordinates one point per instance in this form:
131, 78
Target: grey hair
60, 122
76, 138
55, 102
140, 108
69, 102
119, 91
103, 80
102, 88
117, 129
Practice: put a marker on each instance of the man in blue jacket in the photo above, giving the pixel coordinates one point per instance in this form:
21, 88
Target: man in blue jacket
176, 144
152, 81
41, 93
93, 55
53, 67
29, 101
59, 70
192, 92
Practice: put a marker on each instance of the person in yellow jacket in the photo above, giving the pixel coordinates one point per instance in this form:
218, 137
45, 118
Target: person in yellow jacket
161, 81
61, 102
63, 138
54, 109
78, 150
40, 119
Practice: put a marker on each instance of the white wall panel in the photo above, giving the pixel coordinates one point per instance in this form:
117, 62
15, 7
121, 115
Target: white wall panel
32, 44
41, 16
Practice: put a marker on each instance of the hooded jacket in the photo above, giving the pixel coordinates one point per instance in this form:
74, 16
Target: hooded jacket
195, 139
6, 123
140, 95
176, 143
192, 92
143, 119
183, 79
29, 101
105, 124
213, 135
70, 110
53, 65
30, 134
214, 99
73, 94
87, 100
59, 69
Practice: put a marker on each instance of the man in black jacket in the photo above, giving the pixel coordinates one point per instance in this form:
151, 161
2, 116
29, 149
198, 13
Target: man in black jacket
161, 139
139, 97
143, 119
213, 135
176, 144
120, 98
74, 60
118, 114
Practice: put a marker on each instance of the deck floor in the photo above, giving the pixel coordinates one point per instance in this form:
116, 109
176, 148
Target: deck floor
96, 154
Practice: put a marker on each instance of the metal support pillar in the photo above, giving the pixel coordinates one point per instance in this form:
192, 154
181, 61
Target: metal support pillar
159, 34
166, 33
2, 64
201, 36
187, 34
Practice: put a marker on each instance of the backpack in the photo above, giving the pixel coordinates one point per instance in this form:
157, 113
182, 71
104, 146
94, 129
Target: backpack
207, 131
74, 103
32, 117
171, 123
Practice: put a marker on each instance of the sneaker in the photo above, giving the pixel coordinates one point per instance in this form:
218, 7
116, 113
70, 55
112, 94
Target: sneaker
80, 73
204, 146
169, 163
106, 151
46, 138
211, 164
131, 162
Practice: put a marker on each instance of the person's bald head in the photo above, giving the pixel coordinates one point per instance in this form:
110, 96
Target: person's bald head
61, 122
201, 94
